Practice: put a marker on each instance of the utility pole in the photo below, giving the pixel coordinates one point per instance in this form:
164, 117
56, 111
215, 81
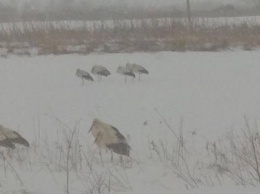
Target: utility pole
189, 13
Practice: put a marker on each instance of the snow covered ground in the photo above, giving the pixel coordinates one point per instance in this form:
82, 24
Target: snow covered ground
203, 95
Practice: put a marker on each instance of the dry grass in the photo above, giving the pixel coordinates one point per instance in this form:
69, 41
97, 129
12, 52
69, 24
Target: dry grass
233, 159
128, 36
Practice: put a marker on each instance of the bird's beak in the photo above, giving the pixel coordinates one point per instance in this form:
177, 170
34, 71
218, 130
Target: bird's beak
95, 140
90, 128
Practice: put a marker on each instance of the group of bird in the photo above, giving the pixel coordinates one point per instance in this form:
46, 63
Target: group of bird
106, 137
130, 69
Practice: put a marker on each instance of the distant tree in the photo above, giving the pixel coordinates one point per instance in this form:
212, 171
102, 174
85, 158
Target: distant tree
256, 3
66, 4
8, 12
225, 10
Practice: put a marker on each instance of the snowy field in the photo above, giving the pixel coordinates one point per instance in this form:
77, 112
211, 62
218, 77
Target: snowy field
202, 96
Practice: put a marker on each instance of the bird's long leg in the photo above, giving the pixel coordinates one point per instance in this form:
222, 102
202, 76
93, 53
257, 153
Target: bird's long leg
139, 76
125, 79
121, 160
82, 82
4, 159
101, 157
111, 156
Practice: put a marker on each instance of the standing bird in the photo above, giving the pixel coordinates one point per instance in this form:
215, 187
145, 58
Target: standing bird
108, 137
8, 138
83, 75
100, 71
136, 69
124, 71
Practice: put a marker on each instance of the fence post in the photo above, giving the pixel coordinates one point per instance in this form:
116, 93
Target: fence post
189, 14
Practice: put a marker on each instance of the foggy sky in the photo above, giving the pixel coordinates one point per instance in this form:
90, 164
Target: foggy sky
132, 2
177, 3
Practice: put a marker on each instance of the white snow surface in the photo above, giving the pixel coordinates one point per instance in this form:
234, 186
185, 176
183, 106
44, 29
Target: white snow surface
210, 91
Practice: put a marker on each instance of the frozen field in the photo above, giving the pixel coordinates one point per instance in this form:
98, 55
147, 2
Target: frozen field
201, 95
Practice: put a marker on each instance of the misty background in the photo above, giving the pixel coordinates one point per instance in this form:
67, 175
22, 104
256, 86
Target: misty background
16, 10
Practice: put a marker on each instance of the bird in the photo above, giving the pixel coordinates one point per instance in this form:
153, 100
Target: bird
136, 69
124, 71
100, 71
108, 137
9, 137
83, 75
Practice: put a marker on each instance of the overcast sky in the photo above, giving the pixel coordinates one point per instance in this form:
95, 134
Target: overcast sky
176, 3
158, 2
